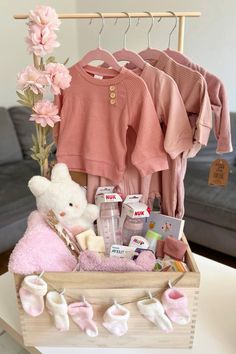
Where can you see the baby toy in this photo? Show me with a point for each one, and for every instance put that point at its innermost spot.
(66, 198)
(40, 248)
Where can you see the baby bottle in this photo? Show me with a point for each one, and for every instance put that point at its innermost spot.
(132, 227)
(109, 225)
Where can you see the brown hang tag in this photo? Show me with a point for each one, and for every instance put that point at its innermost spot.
(219, 173)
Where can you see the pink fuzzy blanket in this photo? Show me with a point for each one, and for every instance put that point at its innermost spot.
(40, 249)
(93, 262)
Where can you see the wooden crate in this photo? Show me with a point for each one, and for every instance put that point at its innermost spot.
(100, 289)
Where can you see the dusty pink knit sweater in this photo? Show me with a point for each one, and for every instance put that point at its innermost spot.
(95, 115)
(218, 99)
(193, 89)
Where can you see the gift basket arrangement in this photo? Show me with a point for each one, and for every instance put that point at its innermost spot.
(107, 264)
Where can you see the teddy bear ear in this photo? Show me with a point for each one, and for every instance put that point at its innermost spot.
(60, 173)
(38, 185)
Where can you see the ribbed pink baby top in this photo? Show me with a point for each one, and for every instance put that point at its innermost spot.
(219, 102)
(96, 111)
(193, 90)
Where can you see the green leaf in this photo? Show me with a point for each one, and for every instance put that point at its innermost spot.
(34, 149)
(40, 156)
(66, 61)
(38, 97)
(31, 97)
(34, 157)
(34, 139)
(48, 148)
(24, 103)
(27, 93)
(20, 95)
(51, 59)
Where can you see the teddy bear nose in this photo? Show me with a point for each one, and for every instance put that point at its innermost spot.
(62, 213)
(77, 206)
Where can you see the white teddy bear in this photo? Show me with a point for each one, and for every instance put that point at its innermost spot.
(65, 198)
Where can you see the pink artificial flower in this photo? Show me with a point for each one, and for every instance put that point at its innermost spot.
(59, 77)
(33, 79)
(41, 40)
(44, 16)
(46, 113)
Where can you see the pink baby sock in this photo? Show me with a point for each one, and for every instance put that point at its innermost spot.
(57, 307)
(116, 319)
(82, 314)
(175, 304)
(31, 292)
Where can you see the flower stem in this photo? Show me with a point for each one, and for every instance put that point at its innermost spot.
(40, 131)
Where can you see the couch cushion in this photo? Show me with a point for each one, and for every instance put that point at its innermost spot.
(208, 153)
(10, 150)
(215, 205)
(15, 197)
(24, 128)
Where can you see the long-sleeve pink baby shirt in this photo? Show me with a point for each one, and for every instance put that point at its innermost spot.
(193, 90)
(219, 102)
(96, 112)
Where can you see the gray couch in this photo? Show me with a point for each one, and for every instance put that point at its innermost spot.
(16, 168)
(210, 212)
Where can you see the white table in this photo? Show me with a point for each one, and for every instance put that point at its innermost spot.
(216, 323)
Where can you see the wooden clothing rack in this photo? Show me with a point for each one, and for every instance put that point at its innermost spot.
(81, 177)
(181, 16)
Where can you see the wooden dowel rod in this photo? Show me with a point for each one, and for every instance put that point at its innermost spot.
(116, 15)
(181, 34)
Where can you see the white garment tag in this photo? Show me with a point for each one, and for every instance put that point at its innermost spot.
(98, 77)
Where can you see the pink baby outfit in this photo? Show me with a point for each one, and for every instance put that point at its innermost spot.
(193, 89)
(96, 112)
(177, 139)
(219, 102)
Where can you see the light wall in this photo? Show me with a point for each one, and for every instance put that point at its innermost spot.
(209, 40)
(13, 53)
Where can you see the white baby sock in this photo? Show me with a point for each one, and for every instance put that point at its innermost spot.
(57, 307)
(32, 290)
(153, 310)
(116, 319)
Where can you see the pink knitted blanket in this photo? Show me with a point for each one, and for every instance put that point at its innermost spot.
(40, 249)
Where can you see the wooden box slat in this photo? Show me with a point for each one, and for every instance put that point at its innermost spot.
(101, 289)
